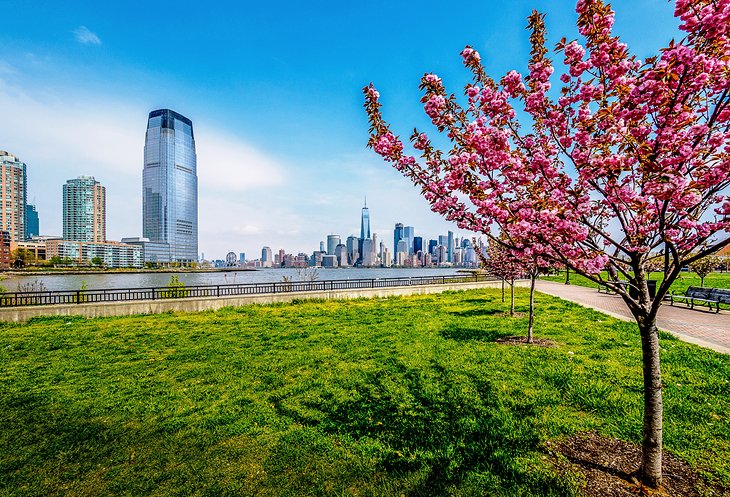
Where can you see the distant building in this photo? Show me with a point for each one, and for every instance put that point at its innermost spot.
(14, 186)
(397, 236)
(32, 224)
(341, 254)
(242, 257)
(112, 254)
(409, 233)
(170, 185)
(353, 249)
(157, 253)
(450, 246)
(316, 259)
(417, 244)
(84, 210)
(442, 254)
(432, 244)
(364, 235)
(332, 242)
(385, 257)
(266, 259)
(368, 258)
(365, 222)
(5, 259)
(321, 246)
(329, 261)
(37, 248)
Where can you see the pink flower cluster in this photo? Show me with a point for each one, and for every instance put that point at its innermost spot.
(632, 158)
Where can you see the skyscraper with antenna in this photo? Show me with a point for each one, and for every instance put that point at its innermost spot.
(365, 222)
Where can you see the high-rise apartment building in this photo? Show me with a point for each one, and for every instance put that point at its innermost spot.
(14, 190)
(170, 185)
(84, 210)
(32, 225)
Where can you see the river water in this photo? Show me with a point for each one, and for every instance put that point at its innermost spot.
(107, 281)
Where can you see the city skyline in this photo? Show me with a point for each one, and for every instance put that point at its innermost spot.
(275, 100)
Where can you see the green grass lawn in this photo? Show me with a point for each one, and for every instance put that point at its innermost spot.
(685, 280)
(401, 396)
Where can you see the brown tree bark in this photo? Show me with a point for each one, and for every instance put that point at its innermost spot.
(533, 277)
(651, 458)
(512, 298)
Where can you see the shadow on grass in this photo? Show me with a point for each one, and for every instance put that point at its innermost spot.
(470, 313)
(446, 427)
(39, 437)
(464, 334)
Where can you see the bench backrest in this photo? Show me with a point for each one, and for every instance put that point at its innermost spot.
(721, 295)
(699, 292)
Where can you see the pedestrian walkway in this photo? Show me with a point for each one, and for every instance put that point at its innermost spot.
(701, 327)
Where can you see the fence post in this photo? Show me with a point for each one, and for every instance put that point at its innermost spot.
(78, 296)
(218, 291)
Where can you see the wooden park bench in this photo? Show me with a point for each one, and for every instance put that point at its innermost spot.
(711, 297)
(608, 291)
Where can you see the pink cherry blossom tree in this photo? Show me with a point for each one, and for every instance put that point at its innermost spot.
(626, 160)
(500, 262)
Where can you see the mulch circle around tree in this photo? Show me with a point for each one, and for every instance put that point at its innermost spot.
(517, 340)
(610, 468)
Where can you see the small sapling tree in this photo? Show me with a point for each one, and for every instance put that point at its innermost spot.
(704, 266)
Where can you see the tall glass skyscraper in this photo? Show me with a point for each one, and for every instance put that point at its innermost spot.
(170, 185)
(84, 210)
(32, 225)
(409, 233)
(365, 222)
(397, 236)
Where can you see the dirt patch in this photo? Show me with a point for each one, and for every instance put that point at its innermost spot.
(507, 315)
(517, 340)
(610, 468)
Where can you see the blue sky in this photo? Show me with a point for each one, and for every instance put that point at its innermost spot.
(273, 89)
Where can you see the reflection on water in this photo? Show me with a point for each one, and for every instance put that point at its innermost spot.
(142, 280)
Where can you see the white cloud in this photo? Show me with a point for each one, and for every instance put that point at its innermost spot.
(61, 136)
(227, 164)
(86, 36)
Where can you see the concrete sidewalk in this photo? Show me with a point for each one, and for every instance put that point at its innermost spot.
(701, 327)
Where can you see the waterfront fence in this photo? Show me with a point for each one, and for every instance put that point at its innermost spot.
(87, 296)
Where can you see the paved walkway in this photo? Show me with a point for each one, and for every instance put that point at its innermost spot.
(701, 327)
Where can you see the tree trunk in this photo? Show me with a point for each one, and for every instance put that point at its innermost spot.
(533, 277)
(702, 281)
(567, 275)
(512, 298)
(503, 290)
(651, 458)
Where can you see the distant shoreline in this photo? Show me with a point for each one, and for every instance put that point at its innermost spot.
(62, 272)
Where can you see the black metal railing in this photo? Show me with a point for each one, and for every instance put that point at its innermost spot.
(54, 297)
